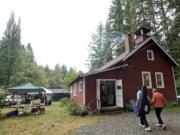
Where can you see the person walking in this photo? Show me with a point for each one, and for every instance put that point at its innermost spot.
(143, 105)
(159, 102)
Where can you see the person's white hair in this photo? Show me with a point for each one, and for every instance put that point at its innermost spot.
(154, 89)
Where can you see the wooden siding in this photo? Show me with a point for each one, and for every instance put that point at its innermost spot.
(79, 95)
(131, 76)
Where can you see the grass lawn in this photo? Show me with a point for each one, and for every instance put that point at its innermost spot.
(56, 121)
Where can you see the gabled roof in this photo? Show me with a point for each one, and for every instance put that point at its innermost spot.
(112, 62)
(125, 56)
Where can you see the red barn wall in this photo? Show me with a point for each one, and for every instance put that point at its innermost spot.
(79, 95)
(132, 78)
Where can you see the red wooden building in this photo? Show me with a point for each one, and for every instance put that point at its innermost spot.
(144, 62)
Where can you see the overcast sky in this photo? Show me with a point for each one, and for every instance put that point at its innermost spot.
(58, 30)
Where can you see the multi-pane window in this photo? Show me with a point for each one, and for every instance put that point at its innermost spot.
(146, 79)
(159, 80)
(80, 86)
(150, 55)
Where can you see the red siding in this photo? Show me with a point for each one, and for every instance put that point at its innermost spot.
(79, 95)
(91, 84)
(131, 76)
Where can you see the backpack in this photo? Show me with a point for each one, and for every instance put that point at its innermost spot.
(134, 108)
(147, 106)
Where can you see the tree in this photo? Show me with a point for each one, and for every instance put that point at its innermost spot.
(107, 44)
(96, 49)
(2, 96)
(30, 52)
(10, 45)
(71, 75)
(28, 71)
(116, 16)
(173, 39)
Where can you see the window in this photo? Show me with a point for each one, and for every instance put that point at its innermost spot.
(70, 89)
(146, 79)
(150, 55)
(75, 89)
(80, 86)
(159, 80)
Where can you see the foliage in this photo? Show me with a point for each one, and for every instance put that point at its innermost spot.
(173, 39)
(100, 50)
(73, 108)
(18, 65)
(96, 49)
(60, 76)
(2, 96)
(162, 16)
(56, 121)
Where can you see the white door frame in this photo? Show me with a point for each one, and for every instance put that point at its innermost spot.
(119, 93)
(98, 100)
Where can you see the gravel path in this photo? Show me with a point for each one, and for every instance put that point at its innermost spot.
(128, 124)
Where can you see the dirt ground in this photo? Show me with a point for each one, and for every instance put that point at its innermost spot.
(128, 124)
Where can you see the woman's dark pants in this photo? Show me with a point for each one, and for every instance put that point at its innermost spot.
(158, 114)
(143, 120)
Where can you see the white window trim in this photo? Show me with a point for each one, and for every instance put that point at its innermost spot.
(159, 73)
(149, 73)
(71, 89)
(150, 51)
(80, 90)
(75, 89)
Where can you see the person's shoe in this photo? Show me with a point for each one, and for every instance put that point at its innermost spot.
(164, 127)
(141, 125)
(159, 125)
(148, 129)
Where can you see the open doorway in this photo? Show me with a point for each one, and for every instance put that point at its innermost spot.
(107, 93)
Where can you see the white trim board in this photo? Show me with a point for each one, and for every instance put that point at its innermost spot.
(174, 82)
(150, 87)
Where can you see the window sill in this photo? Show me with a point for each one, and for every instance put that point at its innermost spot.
(160, 87)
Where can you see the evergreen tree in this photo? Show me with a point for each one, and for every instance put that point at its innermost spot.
(17, 63)
(116, 20)
(107, 44)
(116, 16)
(71, 75)
(96, 49)
(30, 51)
(173, 39)
(10, 45)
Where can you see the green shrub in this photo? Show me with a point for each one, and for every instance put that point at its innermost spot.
(2, 96)
(84, 111)
(128, 108)
(171, 104)
(64, 101)
(73, 108)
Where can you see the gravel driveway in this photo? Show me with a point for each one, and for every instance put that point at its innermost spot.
(128, 124)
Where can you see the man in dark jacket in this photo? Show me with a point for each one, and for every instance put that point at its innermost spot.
(143, 105)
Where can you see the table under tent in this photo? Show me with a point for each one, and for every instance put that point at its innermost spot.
(28, 98)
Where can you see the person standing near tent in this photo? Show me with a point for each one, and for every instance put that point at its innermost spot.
(143, 105)
(159, 102)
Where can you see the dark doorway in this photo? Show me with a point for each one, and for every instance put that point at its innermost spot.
(107, 93)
